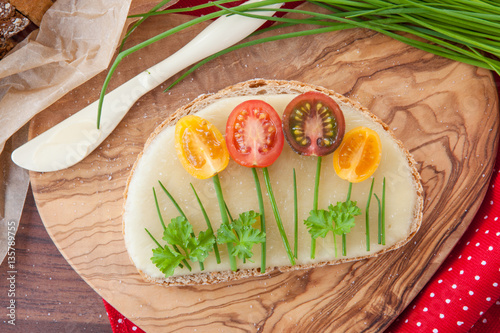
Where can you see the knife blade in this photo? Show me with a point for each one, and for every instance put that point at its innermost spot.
(14, 186)
(75, 138)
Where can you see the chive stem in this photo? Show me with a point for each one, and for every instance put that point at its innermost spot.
(152, 237)
(367, 216)
(138, 23)
(223, 214)
(315, 202)
(383, 212)
(179, 209)
(344, 236)
(209, 224)
(262, 220)
(158, 210)
(202, 266)
(344, 245)
(349, 192)
(277, 216)
(335, 244)
(295, 217)
(228, 212)
(379, 231)
(164, 227)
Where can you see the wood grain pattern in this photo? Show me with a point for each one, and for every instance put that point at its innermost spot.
(49, 295)
(445, 113)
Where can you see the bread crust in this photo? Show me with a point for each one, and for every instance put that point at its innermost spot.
(258, 87)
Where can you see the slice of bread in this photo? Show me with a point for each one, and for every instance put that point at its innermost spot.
(158, 162)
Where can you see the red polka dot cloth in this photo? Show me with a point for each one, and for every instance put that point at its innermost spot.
(463, 295)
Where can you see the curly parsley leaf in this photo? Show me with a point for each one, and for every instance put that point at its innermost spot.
(343, 215)
(179, 232)
(339, 219)
(166, 259)
(242, 234)
(201, 246)
(319, 223)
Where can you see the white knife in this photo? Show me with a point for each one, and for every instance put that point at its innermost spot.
(75, 138)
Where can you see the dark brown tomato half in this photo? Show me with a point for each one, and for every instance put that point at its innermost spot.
(313, 124)
(253, 134)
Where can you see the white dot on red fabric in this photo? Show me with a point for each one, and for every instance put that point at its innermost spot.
(406, 320)
(469, 258)
(477, 244)
(471, 292)
(486, 217)
(481, 313)
(120, 320)
(460, 323)
(487, 232)
(454, 286)
(435, 330)
(466, 308)
(425, 310)
(440, 281)
(441, 315)
(419, 324)
(447, 301)
(485, 321)
(432, 295)
(483, 262)
(498, 233)
(450, 269)
(134, 328)
(490, 248)
(477, 277)
(461, 272)
(495, 284)
(488, 299)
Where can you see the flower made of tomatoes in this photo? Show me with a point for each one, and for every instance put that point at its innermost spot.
(313, 124)
(200, 147)
(253, 134)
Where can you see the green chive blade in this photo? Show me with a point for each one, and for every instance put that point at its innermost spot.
(367, 216)
(383, 212)
(209, 224)
(277, 216)
(262, 219)
(179, 209)
(223, 213)
(295, 217)
(379, 231)
(158, 210)
(344, 245)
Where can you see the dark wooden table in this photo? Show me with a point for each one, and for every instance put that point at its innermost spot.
(49, 295)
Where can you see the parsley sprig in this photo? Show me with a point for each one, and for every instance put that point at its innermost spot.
(338, 219)
(242, 235)
(179, 232)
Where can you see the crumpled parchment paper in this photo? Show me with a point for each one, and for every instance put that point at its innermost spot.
(76, 41)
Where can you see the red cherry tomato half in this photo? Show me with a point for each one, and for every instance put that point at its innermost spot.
(253, 134)
(313, 124)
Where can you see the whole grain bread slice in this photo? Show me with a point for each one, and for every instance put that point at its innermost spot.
(256, 88)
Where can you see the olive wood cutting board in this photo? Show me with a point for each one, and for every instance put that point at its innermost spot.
(446, 114)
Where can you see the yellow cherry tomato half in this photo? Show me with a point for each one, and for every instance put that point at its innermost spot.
(200, 147)
(358, 156)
